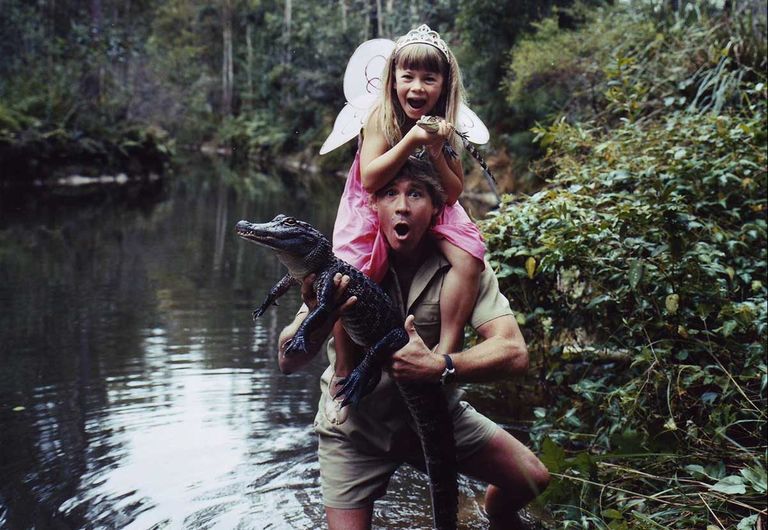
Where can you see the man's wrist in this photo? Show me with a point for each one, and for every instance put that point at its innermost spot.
(449, 371)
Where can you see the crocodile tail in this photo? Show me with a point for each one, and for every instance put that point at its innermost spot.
(434, 424)
(480, 160)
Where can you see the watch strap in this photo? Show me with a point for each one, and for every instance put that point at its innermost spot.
(449, 372)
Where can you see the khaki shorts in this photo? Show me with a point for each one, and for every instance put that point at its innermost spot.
(353, 475)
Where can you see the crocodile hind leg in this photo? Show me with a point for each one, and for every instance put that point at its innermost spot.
(366, 375)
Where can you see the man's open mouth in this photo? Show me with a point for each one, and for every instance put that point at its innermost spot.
(402, 229)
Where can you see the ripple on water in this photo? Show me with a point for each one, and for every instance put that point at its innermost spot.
(192, 447)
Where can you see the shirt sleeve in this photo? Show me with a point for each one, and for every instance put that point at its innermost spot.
(491, 303)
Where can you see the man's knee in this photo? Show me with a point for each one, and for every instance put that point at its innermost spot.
(539, 476)
(519, 489)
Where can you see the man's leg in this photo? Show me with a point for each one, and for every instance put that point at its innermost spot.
(356, 519)
(514, 474)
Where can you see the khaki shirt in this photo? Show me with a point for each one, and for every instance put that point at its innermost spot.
(382, 414)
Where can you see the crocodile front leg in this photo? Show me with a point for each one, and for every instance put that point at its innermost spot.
(316, 319)
(276, 292)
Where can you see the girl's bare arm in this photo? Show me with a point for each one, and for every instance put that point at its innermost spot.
(379, 164)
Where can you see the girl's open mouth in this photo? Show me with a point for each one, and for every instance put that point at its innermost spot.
(416, 103)
(402, 229)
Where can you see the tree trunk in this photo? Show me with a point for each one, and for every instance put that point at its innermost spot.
(343, 6)
(96, 79)
(287, 31)
(249, 64)
(227, 68)
(96, 16)
(373, 18)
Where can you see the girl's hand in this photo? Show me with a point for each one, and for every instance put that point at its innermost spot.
(418, 136)
(423, 136)
(435, 139)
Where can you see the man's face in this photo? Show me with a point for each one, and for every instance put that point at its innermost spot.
(405, 212)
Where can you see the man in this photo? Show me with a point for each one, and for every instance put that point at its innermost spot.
(361, 447)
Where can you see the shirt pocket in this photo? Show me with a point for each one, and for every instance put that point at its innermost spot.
(427, 320)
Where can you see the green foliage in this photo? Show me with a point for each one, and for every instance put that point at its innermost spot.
(255, 134)
(594, 72)
(639, 273)
(552, 68)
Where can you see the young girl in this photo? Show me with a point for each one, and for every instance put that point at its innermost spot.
(421, 78)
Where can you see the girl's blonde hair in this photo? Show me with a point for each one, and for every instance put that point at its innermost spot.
(388, 116)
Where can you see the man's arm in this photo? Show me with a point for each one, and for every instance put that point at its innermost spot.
(503, 353)
(317, 338)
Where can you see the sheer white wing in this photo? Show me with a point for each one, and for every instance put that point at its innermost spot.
(349, 122)
(472, 126)
(365, 68)
(362, 84)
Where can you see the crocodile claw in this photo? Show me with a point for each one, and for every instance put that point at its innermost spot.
(295, 346)
(358, 384)
(256, 313)
(449, 150)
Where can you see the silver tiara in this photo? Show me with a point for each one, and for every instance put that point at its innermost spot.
(423, 35)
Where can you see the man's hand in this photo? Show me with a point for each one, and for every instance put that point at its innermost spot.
(308, 295)
(340, 284)
(414, 361)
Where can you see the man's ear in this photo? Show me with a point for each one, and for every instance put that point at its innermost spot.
(373, 203)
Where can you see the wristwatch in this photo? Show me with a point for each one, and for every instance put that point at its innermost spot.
(449, 373)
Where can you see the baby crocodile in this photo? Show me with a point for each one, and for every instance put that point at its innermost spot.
(432, 124)
(373, 323)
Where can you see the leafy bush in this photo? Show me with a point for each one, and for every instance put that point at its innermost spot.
(639, 273)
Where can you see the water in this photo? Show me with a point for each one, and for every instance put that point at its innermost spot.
(135, 390)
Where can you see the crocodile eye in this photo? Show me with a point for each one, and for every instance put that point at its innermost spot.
(290, 221)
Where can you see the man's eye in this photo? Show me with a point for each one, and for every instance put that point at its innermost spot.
(416, 194)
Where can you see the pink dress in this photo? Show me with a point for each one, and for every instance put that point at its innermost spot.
(356, 236)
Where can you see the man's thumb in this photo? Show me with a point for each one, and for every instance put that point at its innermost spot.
(410, 326)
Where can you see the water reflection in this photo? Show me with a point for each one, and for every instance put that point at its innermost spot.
(137, 393)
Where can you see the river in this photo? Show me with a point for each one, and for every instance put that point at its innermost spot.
(136, 392)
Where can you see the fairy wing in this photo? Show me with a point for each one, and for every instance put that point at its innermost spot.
(349, 122)
(472, 126)
(362, 84)
(365, 67)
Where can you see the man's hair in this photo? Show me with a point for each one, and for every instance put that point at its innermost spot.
(423, 172)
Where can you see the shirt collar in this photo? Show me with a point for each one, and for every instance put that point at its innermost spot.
(431, 266)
